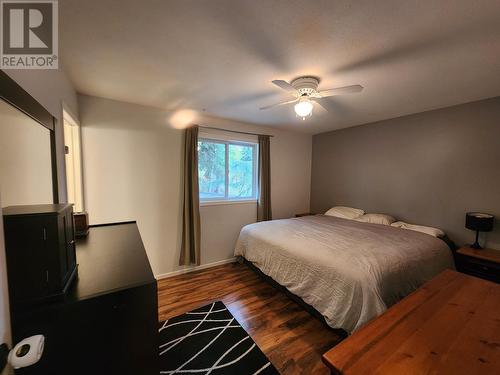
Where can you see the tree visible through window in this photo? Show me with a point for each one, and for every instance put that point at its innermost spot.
(226, 170)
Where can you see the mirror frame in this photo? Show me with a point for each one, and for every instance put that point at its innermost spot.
(16, 96)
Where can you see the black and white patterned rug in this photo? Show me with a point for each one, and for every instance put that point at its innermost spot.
(209, 340)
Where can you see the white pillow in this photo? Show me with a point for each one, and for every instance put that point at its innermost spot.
(419, 228)
(376, 219)
(344, 212)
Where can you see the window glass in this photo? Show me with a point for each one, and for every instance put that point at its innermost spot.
(226, 170)
(241, 173)
(211, 169)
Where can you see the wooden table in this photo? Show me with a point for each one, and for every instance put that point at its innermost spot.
(451, 325)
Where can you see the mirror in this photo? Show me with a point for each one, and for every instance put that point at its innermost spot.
(25, 159)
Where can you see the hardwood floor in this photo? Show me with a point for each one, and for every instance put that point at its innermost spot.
(291, 338)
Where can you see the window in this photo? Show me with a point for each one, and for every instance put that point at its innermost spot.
(227, 170)
(73, 161)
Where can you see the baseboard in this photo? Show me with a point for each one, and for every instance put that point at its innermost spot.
(194, 268)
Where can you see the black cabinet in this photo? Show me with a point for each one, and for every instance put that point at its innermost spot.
(107, 322)
(483, 263)
(40, 249)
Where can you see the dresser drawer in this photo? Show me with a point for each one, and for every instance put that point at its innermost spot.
(478, 267)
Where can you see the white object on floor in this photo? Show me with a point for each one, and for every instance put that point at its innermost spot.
(27, 352)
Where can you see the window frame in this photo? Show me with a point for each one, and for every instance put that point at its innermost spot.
(226, 199)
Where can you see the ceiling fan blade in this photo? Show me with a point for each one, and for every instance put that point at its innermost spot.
(320, 103)
(284, 85)
(341, 90)
(333, 106)
(278, 104)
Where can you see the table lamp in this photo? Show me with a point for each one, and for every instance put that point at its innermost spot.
(480, 222)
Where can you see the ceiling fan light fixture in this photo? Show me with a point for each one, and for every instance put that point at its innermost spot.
(305, 93)
(303, 108)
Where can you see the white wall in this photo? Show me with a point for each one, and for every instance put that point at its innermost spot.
(132, 171)
(50, 88)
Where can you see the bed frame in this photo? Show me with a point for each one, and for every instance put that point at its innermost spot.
(311, 310)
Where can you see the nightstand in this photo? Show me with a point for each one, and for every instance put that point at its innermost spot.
(483, 263)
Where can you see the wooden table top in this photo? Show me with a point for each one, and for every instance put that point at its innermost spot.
(451, 325)
(486, 254)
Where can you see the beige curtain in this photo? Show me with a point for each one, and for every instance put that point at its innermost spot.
(190, 248)
(264, 203)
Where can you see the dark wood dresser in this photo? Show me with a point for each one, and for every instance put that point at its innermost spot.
(40, 250)
(483, 263)
(108, 321)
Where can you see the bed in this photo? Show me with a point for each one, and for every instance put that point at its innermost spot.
(349, 271)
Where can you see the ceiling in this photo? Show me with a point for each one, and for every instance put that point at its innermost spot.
(220, 56)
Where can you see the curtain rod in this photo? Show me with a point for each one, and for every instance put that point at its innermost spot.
(233, 131)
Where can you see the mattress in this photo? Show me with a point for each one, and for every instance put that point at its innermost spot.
(349, 271)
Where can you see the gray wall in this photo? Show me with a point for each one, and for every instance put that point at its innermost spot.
(428, 168)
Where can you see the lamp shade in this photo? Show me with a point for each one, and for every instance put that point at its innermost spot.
(479, 221)
(303, 108)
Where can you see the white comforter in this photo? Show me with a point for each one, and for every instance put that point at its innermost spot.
(349, 271)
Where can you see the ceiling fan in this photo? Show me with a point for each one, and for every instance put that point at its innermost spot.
(305, 93)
